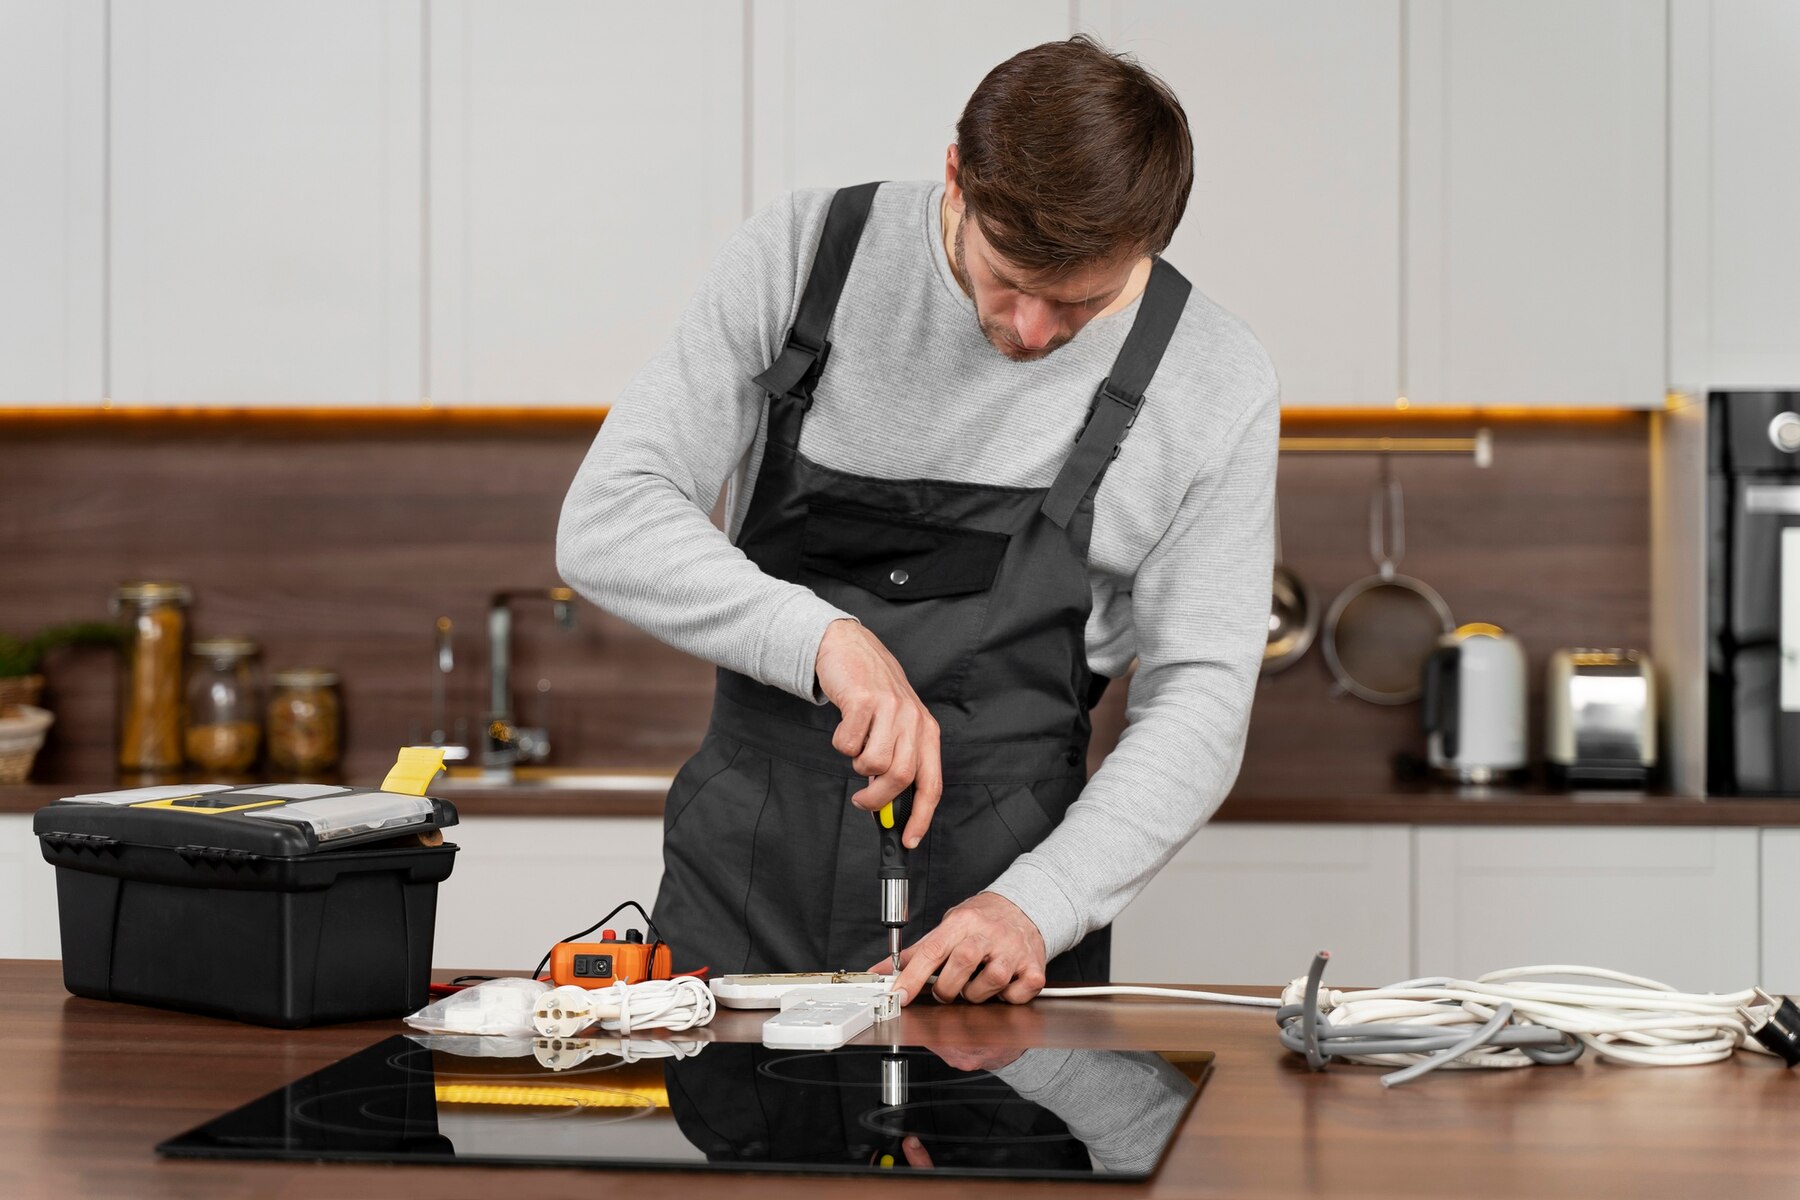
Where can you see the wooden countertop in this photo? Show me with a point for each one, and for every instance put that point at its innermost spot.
(1415, 804)
(92, 1087)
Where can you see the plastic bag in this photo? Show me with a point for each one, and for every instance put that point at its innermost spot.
(470, 1045)
(496, 1007)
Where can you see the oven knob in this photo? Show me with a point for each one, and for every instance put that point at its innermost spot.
(1784, 431)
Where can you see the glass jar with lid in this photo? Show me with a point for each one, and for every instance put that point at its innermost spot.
(305, 721)
(150, 678)
(224, 731)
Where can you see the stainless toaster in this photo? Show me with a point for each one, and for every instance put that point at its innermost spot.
(1600, 717)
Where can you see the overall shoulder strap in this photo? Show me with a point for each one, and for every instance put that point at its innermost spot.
(790, 379)
(1121, 394)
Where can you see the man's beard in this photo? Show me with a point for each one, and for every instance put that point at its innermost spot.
(995, 332)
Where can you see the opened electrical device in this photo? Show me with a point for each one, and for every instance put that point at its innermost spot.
(693, 1104)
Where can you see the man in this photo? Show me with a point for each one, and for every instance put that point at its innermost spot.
(984, 448)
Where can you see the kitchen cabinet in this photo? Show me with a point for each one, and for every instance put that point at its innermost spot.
(1734, 169)
(1781, 911)
(1254, 902)
(28, 926)
(1294, 221)
(1534, 207)
(586, 166)
(52, 123)
(845, 93)
(522, 884)
(1676, 905)
(1242, 902)
(265, 200)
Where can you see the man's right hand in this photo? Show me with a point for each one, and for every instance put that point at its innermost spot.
(887, 732)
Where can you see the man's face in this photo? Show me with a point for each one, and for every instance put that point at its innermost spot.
(1026, 315)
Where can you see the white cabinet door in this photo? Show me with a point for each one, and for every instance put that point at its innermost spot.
(847, 93)
(1534, 206)
(1294, 221)
(1676, 905)
(586, 165)
(1734, 172)
(1253, 903)
(265, 202)
(521, 884)
(28, 926)
(1781, 911)
(52, 128)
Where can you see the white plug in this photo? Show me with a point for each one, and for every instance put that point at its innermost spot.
(565, 1011)
(559, 1054)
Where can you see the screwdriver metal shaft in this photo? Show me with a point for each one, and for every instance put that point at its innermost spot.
(892, 821)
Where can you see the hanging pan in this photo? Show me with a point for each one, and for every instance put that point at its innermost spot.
(1381, 629)
(1293, 613)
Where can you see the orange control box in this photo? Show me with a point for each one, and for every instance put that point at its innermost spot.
(607, 961)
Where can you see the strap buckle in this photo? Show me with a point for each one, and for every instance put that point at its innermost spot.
(795, 372)
(1130, 403)
(810, 380)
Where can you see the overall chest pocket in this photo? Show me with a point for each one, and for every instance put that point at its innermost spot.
(921, 587)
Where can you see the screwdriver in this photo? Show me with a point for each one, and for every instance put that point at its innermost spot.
(892, 820)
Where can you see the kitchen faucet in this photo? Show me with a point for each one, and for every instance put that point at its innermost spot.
(443, 661)
(507, 743)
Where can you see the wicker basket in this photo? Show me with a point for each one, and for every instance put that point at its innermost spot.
(20, 689)
(21, 734)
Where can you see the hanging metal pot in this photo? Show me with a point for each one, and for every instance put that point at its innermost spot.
(1381, 629)
(1293, 613)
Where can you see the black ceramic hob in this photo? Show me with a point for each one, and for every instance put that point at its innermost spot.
(689, 1104)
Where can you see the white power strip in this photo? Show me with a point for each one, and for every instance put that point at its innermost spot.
(767, 990)
(824, 1019)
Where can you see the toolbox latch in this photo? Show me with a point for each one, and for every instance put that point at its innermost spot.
(96, 842)
(221, 855)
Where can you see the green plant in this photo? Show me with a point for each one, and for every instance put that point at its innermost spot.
(23, 657)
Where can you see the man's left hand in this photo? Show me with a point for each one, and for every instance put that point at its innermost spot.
(985, 947)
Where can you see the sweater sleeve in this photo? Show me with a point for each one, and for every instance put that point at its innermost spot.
(635, 537)
(1200, 606)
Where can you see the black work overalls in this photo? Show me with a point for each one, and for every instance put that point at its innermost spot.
(982, 594)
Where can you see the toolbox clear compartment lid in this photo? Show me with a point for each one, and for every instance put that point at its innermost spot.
(343, 816)
(142, 795)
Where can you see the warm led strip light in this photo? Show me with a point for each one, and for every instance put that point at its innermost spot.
(560, 1096)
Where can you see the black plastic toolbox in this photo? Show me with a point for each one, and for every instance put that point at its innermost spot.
(285, 905)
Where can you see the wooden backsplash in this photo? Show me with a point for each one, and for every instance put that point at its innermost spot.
(339, 543)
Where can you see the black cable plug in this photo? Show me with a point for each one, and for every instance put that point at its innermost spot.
(1779, 1031)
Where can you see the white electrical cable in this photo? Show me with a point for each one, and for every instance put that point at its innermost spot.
(672, 1004)
(1066, 993)
(1510, 1018)
(1515, 1018)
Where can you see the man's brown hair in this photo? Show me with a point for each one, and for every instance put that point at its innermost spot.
(1069, 154)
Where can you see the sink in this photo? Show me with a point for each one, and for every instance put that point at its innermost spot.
(574, 779)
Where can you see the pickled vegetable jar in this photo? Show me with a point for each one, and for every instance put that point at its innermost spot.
(224, 725)
(150, 711)
(305, 720)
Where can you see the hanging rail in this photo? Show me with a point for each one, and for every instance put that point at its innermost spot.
(1479, 447)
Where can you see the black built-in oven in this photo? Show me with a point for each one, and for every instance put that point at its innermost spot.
(1753, 593)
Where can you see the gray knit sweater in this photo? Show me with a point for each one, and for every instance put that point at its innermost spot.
(1181, 548)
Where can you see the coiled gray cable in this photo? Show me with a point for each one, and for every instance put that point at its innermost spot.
(1307, 1031)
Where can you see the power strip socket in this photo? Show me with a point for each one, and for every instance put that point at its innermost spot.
(816, 1025)
(883, 1005)
(825, 1018)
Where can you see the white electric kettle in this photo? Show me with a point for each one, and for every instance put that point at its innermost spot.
(1475, 705)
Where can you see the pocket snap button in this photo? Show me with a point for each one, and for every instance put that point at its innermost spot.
(898, 576)
(1073, 757)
